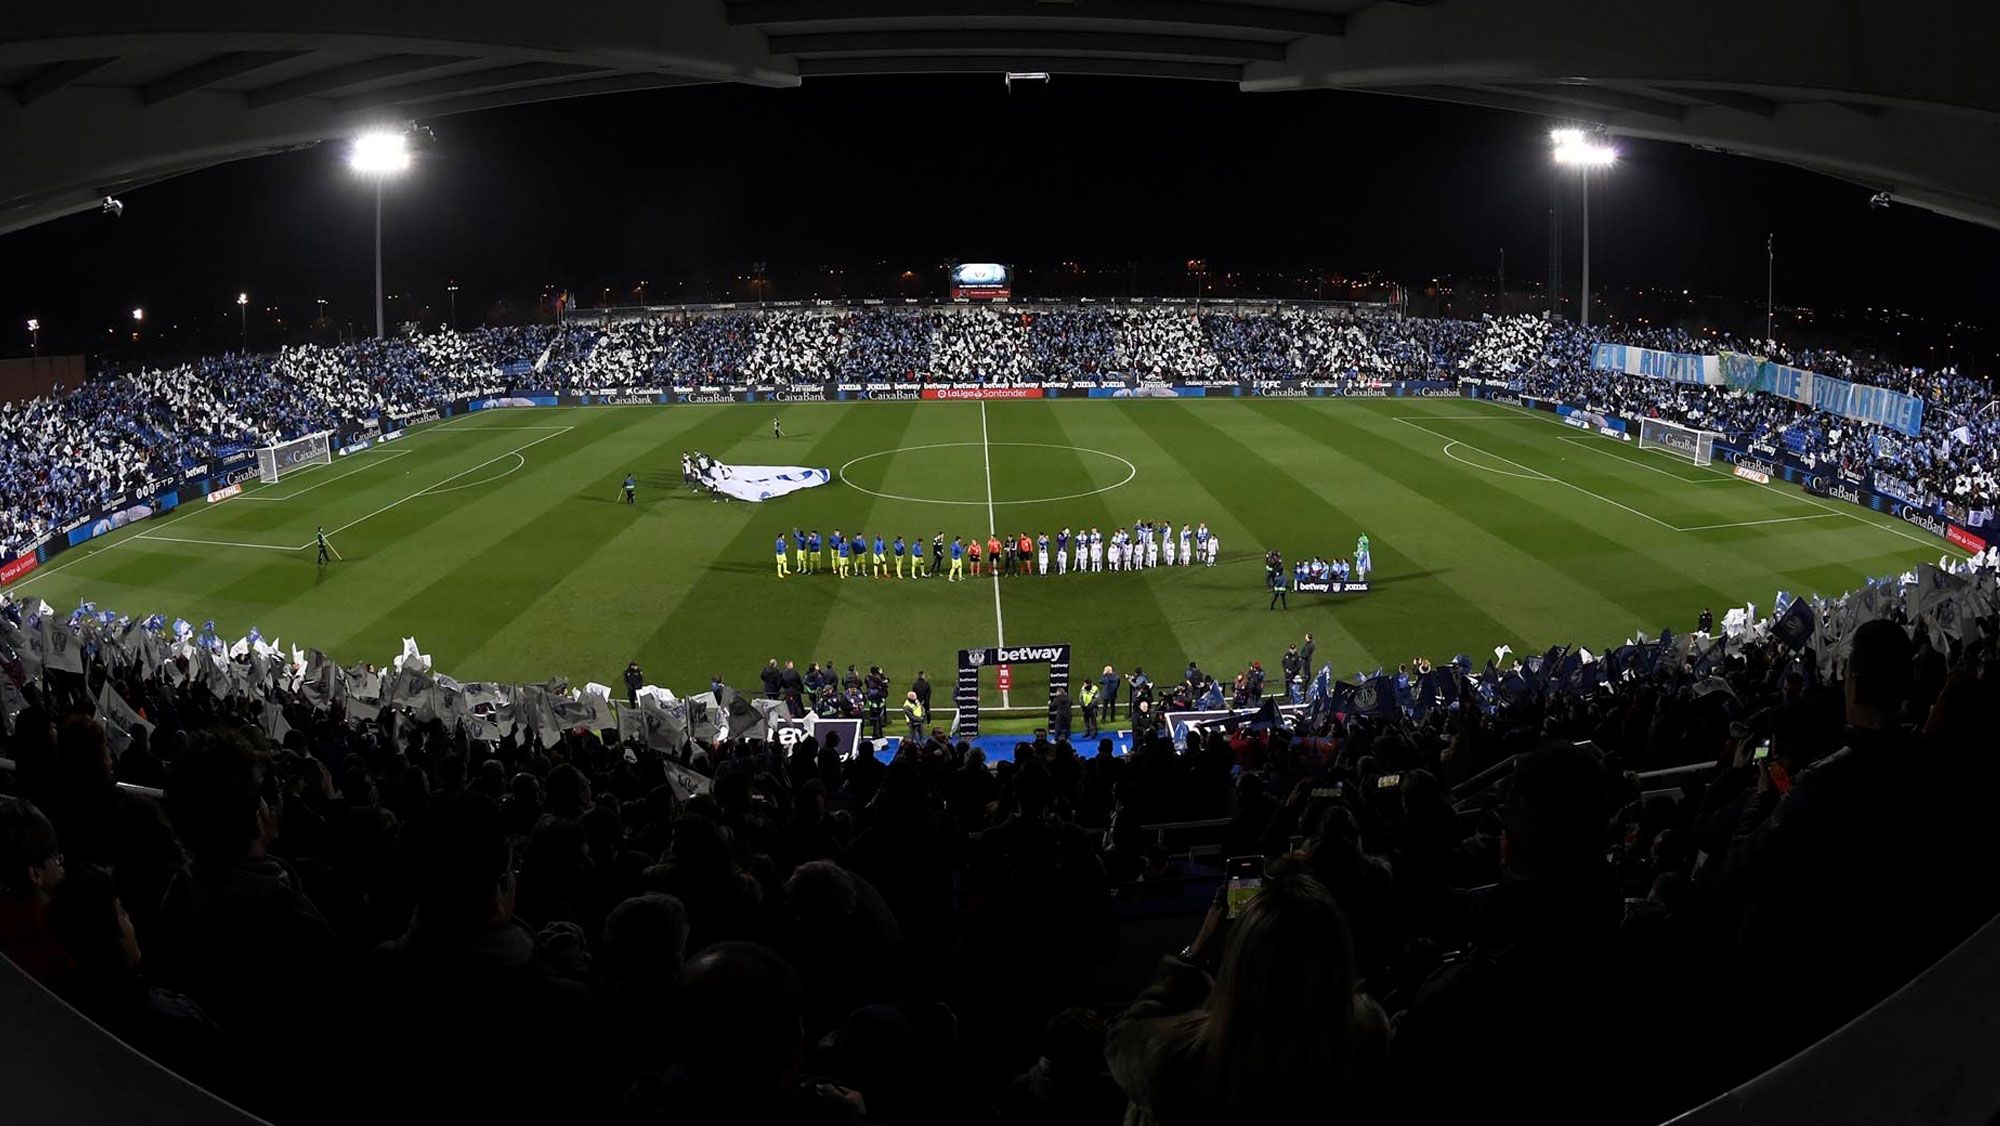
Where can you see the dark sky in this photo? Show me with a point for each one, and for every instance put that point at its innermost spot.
(701, 182)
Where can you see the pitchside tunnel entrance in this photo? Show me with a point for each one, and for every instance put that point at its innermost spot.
(1002, 659)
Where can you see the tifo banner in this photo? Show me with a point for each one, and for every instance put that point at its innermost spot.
(1879, 405)
(1675, 367)
(766, 482)
(1858, 401)
(511, 401)
(111, 521)
(982, 393)
(1586, 419)
(1148, 391)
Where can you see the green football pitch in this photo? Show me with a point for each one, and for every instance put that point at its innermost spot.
(498, 539)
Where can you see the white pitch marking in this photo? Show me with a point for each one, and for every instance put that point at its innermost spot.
(1131, 471)
(1555, 480)
(992, 525)
(1538, 476)
(1774, 520)
(212, 543)
(1611, 452)
(434, 486)
(259, 494)
(1928, 544)
(520, 463)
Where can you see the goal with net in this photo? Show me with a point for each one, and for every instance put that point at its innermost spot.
(1695, 445)
(274, 462)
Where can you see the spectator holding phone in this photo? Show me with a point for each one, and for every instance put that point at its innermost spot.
(1278, 1037)
(1867, 828)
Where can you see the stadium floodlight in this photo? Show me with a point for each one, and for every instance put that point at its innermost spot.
(1586, 152)
(35, 335)
(243, 314)
(379, 154)
(138, 315)
(34, 325)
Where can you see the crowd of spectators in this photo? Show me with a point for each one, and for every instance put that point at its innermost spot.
(517, 932)
(67, 455)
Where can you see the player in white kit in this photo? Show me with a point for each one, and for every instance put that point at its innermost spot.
(1042, 554)
(1187, 546)
(1153, 544)
(1167, 546)
(1096, 551)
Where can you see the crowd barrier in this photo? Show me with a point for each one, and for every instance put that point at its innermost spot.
(1768, 465)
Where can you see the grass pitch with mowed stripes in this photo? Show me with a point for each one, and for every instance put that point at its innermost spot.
(498, 540)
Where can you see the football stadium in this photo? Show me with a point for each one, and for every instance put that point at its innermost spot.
(994, 692)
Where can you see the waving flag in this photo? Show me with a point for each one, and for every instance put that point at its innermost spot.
(1795, 626)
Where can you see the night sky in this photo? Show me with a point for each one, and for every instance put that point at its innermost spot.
(863, 174)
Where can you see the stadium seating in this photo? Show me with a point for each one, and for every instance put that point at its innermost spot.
(1557, 891)
(65, 456)
(1582, 891)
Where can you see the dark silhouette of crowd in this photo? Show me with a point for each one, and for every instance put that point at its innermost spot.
(1482, 913)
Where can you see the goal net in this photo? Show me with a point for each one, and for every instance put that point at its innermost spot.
(1695, 445)
(274, 462)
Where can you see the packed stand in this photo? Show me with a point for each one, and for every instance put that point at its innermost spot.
(65, 456)
(528, 931)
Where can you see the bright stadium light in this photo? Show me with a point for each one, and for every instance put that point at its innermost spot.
(379, 154)
(1585, 151)
(1586, 154)
(138, 314)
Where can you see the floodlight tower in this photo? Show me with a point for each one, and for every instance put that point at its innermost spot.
(1586, 153)
(379, 155)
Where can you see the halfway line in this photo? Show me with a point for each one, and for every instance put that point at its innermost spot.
(992, 526)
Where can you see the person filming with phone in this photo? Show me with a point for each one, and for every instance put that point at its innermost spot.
(1884, 833)
(1279, 1036)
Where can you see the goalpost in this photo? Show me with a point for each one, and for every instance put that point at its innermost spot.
(274, 462)
(1695, 445)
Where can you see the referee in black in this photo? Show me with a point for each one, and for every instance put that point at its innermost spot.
(1277, 576)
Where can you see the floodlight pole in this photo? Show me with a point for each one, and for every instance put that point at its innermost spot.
(379, 259)
(1770, 268)
(1583, 309)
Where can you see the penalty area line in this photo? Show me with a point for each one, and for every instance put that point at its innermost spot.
(435, 485)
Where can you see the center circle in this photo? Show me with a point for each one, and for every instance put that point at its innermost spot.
(1131, 471)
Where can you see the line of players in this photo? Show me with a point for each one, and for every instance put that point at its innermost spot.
(1087, 551)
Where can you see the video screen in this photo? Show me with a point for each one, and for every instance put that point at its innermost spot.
(982, 281)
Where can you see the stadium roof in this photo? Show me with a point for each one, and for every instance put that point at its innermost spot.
(101, 96)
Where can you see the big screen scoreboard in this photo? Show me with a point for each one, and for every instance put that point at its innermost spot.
(982, 281)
